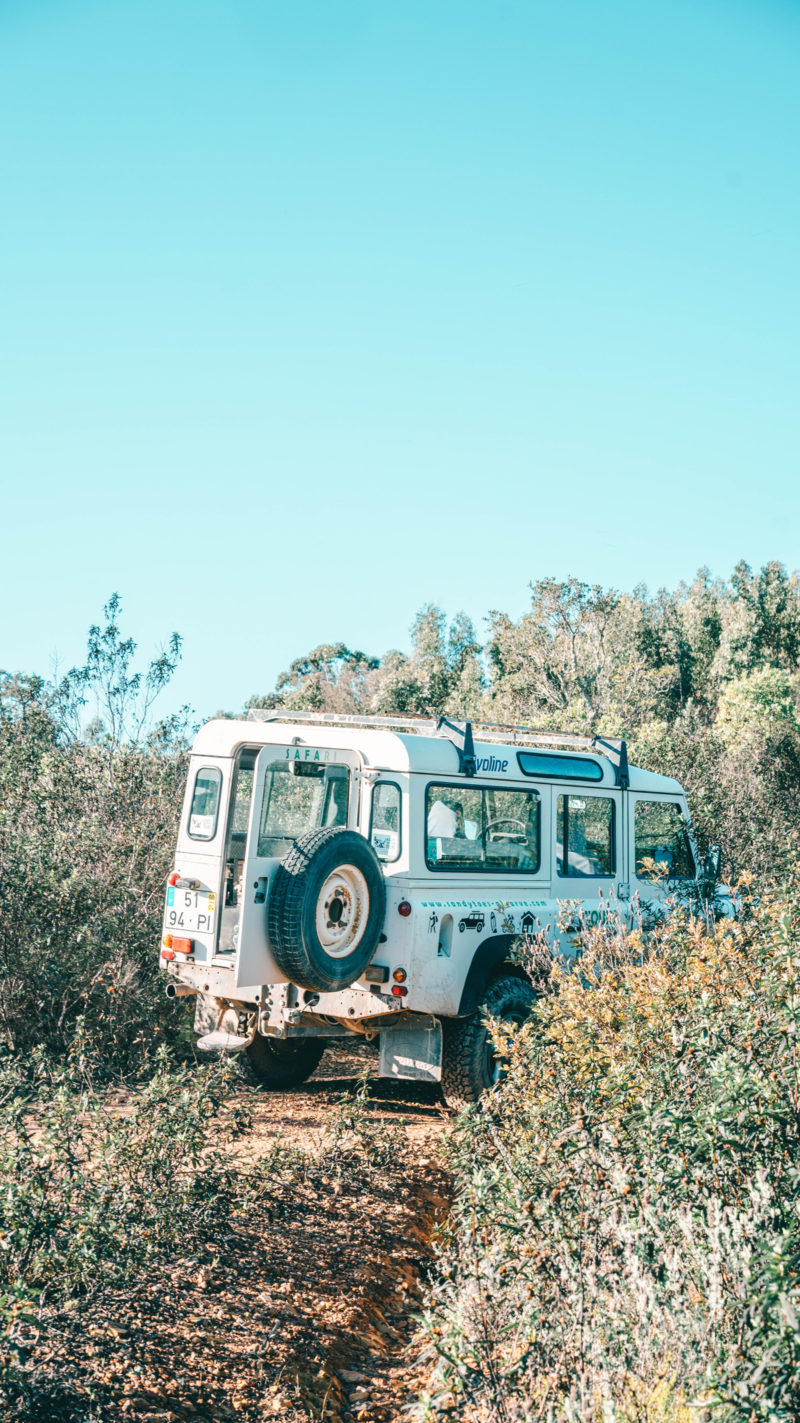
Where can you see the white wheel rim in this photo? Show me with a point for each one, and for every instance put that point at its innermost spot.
(342, 911)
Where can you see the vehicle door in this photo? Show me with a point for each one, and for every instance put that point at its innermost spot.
(191, 907)
(662, 863)
(588, 832)
(295, 789)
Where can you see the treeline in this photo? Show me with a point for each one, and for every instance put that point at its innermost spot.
(703, 681)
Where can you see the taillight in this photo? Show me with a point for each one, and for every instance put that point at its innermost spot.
(174, 877)
(399, 990)
(182, 946)
(404, 908)
(399, 975)
(167, 953)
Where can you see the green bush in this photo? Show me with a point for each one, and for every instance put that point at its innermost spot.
(88, 817)
(625, 1240)
(83, 861)
(91, 1191)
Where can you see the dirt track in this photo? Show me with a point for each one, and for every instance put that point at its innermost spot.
(306, 1309)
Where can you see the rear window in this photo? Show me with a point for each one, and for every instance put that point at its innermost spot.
(385, 826)
(204, 809)
(300, 797)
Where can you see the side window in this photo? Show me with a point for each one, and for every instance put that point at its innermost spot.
(661, 835)
(384, 830)
(205, 803)
(585, 836)
(482, 828)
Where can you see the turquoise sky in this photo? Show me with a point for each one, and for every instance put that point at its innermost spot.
(314, 311)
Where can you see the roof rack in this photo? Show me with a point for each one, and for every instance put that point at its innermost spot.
(460, 733)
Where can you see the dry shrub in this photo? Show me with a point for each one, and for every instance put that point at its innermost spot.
(625, 1242)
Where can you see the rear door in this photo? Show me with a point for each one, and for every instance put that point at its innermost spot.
(191, 910)
(295, 789)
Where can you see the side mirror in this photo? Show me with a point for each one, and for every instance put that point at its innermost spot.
(711, 864)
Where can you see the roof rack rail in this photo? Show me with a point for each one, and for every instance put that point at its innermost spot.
(461, 733)
(417, 722)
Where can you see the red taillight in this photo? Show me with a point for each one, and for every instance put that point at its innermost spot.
(174, 877)
(182, 946)
(167, 953)
(404, 908)
(398, 990)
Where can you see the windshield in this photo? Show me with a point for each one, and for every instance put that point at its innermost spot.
(297, 798)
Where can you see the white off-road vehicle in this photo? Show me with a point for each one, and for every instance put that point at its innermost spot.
(339, 876)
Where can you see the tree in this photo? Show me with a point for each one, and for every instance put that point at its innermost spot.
(329, 678)
(765, 627)
(551, 665)
(443, 673)
(123, 699)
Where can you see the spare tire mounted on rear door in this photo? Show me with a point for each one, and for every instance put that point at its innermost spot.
(326, 907)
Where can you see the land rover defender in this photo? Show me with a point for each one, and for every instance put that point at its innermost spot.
(342, 875)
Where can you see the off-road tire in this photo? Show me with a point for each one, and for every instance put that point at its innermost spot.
(466, 1046)
(280, 1062)
(293, 904)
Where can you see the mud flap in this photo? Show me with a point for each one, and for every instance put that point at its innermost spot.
(412, 1053)
(206, 1012)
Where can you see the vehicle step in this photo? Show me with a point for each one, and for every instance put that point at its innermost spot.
(220, 1041)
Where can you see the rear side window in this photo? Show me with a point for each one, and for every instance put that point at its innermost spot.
(661, 835)
(479, 828)
(585, 836)
(384, 831)
(205, 803)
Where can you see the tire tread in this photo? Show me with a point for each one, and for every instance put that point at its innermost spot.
(279, 1071)
(464, 1040)
(285, 908)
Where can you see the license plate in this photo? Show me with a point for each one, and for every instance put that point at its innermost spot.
(190, 909)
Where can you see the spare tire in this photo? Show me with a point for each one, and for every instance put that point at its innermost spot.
(327, 902)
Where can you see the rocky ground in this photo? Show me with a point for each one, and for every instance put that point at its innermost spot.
(306, 1308)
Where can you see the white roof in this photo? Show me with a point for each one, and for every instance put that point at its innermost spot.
(387, 750)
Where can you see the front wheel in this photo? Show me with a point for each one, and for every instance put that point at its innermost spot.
(470, 1062)
(283, 1062)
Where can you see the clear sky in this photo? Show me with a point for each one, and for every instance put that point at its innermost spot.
(312, 311)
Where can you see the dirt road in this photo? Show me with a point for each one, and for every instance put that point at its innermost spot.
(305, 1309)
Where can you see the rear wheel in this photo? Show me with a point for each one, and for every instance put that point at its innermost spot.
(283, 1062)
(470, 1062)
